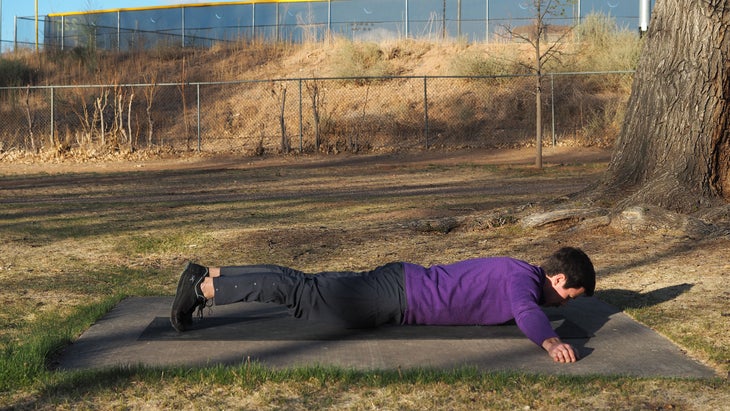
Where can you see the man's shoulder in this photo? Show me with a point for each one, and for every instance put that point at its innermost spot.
(498, 261)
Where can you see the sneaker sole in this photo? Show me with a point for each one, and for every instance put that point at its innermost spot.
(178, 326)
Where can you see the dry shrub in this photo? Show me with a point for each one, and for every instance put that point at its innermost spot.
(492, 61)
(360, 59)
(403, 48)
(15, 72)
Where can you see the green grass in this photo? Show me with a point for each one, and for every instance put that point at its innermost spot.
(68, 262)
(23, 364)
(161, 242)
(26, 362)
(318, 387)
(684, 333)
(24, 367)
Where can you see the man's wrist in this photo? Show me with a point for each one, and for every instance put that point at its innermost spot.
(550, 342)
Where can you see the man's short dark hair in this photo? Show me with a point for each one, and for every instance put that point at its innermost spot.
(576, 266)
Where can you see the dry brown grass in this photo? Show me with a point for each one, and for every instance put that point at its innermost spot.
(74, 234)
(365, 116)
(315, 393)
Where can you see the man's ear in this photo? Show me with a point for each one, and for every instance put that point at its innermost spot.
(557, 278)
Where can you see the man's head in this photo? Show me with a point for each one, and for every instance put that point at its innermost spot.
(570, 273)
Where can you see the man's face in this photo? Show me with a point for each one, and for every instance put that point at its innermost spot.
(556, 294)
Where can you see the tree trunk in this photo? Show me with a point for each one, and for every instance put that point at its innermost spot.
(539, 28)
(674, 148)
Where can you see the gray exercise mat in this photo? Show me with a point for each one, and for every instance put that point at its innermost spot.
(266, 322)
(137, 331)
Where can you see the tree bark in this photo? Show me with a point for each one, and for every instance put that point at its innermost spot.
(539, 29)
(674, 147)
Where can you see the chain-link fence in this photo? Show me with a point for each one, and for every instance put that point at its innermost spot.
(202, 25)
(309, 115)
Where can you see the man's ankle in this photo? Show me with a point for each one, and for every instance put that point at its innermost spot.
(207, 289)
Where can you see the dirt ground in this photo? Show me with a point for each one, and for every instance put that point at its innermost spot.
(192, 160)
(671, 280)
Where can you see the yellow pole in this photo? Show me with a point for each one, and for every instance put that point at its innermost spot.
(36, 25)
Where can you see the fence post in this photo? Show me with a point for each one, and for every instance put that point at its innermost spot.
(552, 104)
(406, 19)
(119, 28)
(301, 121)
(182, 24)
(486, 25)
(425, 109)
(197, 90)
(53, 111)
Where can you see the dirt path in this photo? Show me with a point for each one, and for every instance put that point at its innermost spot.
(551, 156)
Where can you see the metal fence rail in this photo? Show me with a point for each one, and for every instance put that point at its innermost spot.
(310, 114)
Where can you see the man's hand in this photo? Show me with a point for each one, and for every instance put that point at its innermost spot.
(560, 351)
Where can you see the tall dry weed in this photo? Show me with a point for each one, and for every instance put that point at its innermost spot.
(360, 59)
(603, 46)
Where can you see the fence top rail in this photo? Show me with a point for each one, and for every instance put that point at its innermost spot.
(281, 80)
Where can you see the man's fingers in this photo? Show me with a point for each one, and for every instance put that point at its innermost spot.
(572, 354)
(565, 353)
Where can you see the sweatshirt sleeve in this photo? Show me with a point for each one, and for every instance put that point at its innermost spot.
(535, 325)
(529, 317)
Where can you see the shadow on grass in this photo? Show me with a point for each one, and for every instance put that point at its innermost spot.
(627, 299)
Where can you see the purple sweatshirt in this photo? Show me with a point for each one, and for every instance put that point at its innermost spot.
(482, 291)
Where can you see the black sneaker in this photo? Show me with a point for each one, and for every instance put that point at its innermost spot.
(189, 296)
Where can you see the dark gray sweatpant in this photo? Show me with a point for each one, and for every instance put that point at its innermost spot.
(351, 299)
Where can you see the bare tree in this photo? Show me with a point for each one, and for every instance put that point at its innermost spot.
(546, 48)
(150, 91)
(29, 118)
(101, 103)
(121, 132)
(280, 97)
(314, 90)
(674, 147)
(88, 123)
(182, 86)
